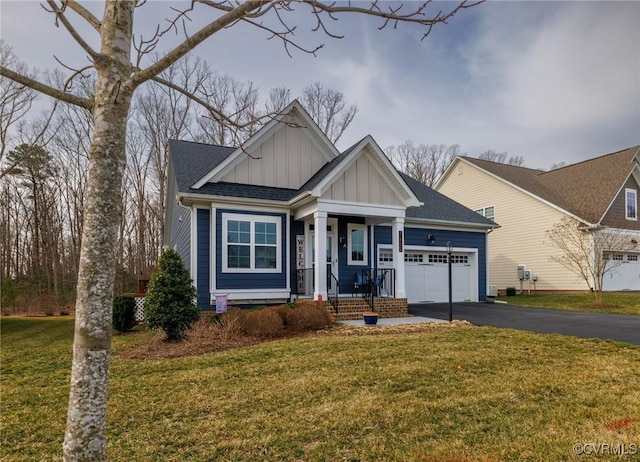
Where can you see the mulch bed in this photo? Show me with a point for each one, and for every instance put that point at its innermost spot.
(157, 348)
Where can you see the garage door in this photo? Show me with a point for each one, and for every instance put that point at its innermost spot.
(624, 273)
(427, 277)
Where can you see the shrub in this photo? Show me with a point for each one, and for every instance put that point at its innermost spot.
(305, 315)
(511, 291)
(169, 304)
(263, 322)
(124, 316)
(230, 325)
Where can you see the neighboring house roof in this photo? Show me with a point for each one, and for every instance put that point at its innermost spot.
(585, 189)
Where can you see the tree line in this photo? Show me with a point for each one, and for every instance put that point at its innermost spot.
(45, 160)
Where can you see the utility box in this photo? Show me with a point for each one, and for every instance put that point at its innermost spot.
(492, 293)
(521, 271)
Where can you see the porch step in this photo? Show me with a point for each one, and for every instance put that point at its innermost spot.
(353, 308)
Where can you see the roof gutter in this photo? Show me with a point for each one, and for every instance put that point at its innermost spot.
(462, 224)
(187, 199)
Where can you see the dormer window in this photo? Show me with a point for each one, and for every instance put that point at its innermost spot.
(631, 204)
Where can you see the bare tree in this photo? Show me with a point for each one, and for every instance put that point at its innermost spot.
(15, 101)
(118, 75)
(424, 162)
(587, 251)
(502, 158)
(328, 109)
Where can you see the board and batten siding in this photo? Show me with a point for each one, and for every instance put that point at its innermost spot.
(521, 238)
(362, 182)
(285, 160)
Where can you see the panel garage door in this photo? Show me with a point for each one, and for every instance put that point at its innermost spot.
(625, 275)
(427, 279)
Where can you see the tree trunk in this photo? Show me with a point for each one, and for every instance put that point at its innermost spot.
(85, 436)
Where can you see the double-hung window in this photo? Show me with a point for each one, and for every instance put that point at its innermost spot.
(631, 204)
(487, 212)
(251, 243)
(357, 244)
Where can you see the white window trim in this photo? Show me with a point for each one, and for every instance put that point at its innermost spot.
(626, 203)
(226, 217)
(385, 248)
(354, 227)
(483, 211)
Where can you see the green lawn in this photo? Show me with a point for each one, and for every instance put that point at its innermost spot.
(449, 394)
(613, 302)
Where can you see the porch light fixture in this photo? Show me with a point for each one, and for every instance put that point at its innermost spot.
(431, 239)
(449, 248)
(634, 241)
(343, 242)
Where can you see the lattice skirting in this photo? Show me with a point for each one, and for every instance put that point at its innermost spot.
(139, 311)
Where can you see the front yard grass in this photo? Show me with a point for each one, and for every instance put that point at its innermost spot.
(446, 394)
(613, 302)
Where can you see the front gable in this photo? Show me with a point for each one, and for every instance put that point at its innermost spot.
(285, 153)
(286, 159)
(615, 216)
(362, 181)
(366, 176)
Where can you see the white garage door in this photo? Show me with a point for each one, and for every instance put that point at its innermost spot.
(624, 273)
(427, 277)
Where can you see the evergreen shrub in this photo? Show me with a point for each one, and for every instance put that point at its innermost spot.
(170, 301)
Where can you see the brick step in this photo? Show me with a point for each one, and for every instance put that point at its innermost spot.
(349, 315)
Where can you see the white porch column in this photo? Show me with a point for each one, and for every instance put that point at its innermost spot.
(397, 234)
(320, 257)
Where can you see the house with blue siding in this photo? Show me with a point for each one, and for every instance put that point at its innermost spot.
(253, 222)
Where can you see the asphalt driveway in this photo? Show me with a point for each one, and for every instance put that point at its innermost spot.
(621, 327)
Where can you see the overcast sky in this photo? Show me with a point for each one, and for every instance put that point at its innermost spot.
(550, 81)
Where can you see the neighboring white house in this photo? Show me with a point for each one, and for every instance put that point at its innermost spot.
(602, 193)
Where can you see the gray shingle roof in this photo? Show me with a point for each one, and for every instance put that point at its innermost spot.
(191, 161)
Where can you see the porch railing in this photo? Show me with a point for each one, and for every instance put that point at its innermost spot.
(333, 291)
(304, 285)
(375, 282)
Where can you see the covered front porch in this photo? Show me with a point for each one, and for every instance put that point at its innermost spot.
(354, 275)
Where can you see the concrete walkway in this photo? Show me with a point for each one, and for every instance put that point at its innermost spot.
(395, 321)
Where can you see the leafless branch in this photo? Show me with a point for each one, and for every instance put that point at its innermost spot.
(46, 89)
(84, 13)
(59, 12)
(191, 42)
